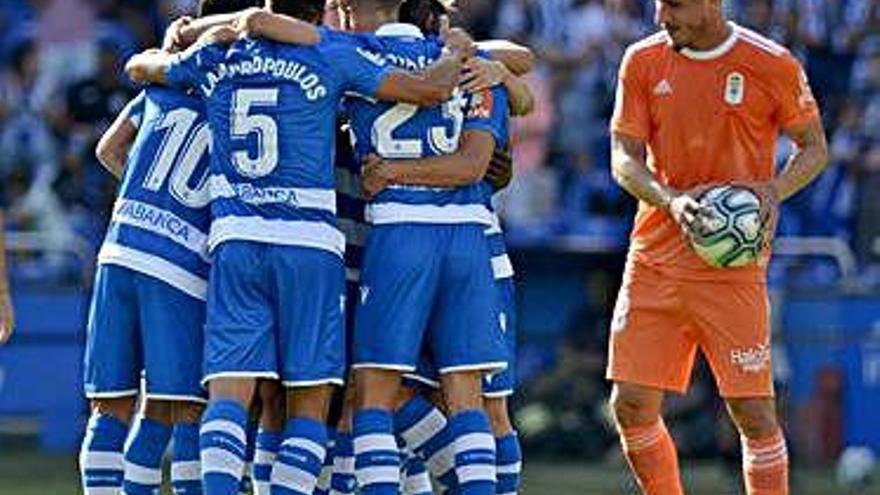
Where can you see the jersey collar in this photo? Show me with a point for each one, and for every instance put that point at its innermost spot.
(400, 29)
(716, 52)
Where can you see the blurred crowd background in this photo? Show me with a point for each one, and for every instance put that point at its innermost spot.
(567, 222)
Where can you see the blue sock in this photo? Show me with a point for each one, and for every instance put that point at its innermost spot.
(264, 456)
(247, 485)
(508, 464)
(474, 452)
(416, 480)
(143, 457)
(424, 430)
(323, 486)
(101, 461)
(300, 457)
(222, 442)
(342, 480)
(377, 458)
(186, 470)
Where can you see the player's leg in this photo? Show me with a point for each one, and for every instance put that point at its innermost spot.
(272, 417)
(422, 425)
(146, 446)
(650, 351)
(186, 470)
(342, 479)
(239, 349)
(308, 287)
(398, 285)
(735, 338)
(496, 390)
(111, 377)
(172, 340)
(468, 344)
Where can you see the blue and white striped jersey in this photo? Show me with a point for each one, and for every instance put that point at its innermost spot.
(160, 220)
(402, 131)
(272, 109)
(350, 204)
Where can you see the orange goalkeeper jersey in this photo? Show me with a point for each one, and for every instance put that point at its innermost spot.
(706, 117)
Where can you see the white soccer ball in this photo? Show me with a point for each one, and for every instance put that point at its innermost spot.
(732, 234)
(855, 466)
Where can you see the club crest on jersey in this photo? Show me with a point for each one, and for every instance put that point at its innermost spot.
(481, 105)
(735, 89)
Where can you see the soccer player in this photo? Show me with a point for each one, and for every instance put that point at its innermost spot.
(276, 282)
(701, 103)
(148, 309)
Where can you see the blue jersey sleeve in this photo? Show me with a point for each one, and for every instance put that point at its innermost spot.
(488, 111)
(189, 69)
(134, 110)
(360, 69)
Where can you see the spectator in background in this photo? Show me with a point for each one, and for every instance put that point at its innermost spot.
(65, 36)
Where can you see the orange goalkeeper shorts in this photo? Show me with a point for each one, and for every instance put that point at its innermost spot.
(659, 324)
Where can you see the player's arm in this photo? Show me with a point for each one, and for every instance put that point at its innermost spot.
(432, 87)
(185, 31)
(151, 66)
(466, 166)
(259, 23)
(7, 312)
(112, 148)
(807, 162)
(519, 59)
(481, 74)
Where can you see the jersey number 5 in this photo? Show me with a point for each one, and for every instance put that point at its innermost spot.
(246, 122)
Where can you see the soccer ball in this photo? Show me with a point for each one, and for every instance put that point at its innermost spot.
(732, 233)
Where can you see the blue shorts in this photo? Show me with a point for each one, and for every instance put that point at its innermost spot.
(431, 285)
(501, 384)
(139, 324)
(275, 312)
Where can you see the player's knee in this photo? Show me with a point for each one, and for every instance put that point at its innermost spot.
(188, 412)
(499, 417)
(754, 418)
(635, 406)
(121, 408)
(377, 388)
(240, 390)
(161, 411)
(462, 391)
(309, 402)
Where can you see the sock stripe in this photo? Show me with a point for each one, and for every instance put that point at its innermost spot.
(264, 456)
(293, 478)
(305, 444)
(378, 475)
(345, 464)
(103, 490)
(475, 441)
(186, 470)
(226, 428)
(417, 435)
(97, 460)
(374, 442)
(475, 472)
(514, 468)
(103, 477)
(142, 475)
(220, 461)
(443, 460)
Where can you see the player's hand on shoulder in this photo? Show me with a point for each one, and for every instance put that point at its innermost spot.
(219, 35)
(481, 74)
(173, 41)
(375, 175)
(457, 39)
(250, 21)
(7, 318)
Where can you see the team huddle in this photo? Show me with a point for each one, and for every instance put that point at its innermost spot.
(306, 285)
(258, 258)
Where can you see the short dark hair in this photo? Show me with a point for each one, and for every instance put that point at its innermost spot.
(425, 13)
(308, 10)
(212, 7)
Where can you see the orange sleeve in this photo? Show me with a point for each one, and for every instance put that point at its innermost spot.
(795, 102)
(631, 113)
